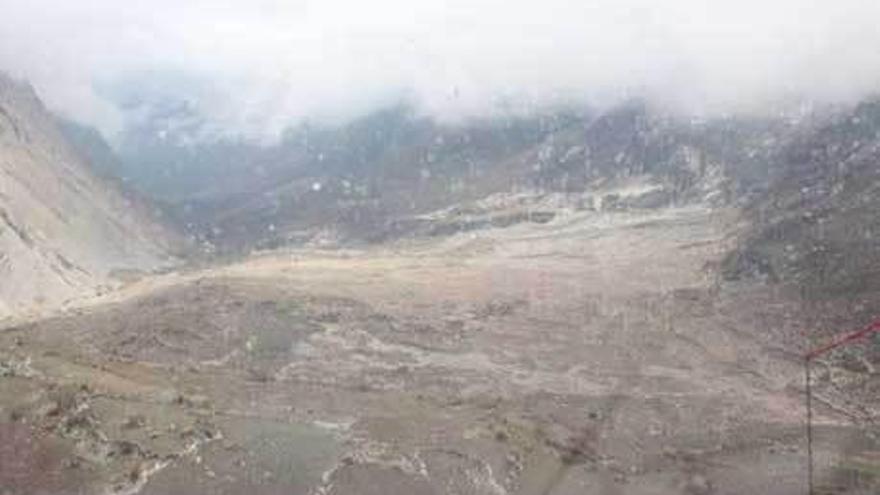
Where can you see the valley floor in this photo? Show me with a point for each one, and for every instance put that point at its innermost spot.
(597, 353)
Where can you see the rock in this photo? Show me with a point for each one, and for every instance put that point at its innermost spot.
(698, 485)
(198, 401)
(134, 421)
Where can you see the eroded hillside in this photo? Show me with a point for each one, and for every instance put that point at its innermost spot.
(63, 231)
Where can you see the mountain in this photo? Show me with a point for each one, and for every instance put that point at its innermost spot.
(91, 146)
(374, 177)
(805, 183)
(237, 195)
(523, 305)
(814, 233)
(817, 224)
(63, 230)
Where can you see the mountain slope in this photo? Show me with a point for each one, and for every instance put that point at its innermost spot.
(817, 225)
(63, 231)
(367, 180)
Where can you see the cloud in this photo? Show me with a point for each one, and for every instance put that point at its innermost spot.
(262, 65)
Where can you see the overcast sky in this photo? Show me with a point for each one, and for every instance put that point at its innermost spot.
(255, 66)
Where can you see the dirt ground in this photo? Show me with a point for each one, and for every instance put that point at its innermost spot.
(597, 353)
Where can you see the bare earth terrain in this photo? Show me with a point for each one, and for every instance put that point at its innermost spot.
(595, 353)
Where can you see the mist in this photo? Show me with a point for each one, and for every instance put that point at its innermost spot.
(253, 68)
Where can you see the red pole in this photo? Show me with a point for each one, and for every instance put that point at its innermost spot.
(810, 486)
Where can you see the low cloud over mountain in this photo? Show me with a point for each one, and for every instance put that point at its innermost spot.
(254, 68)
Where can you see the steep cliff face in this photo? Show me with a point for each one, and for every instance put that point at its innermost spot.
(817, 225)
(63, 231)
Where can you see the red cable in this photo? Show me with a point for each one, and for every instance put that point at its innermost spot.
(844, 339)
(873, 327)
